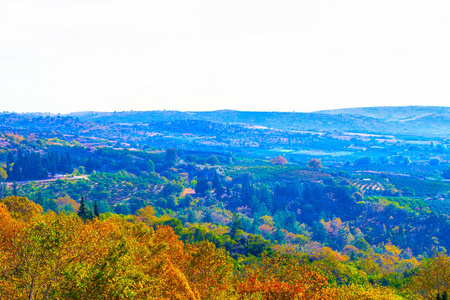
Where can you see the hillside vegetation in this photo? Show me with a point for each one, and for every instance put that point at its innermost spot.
(205, 209)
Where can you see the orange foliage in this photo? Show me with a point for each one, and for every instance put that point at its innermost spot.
(265, 229)
(357, 292)
(279, 160)
(21, 207)
(314, 164)
(280, 277)
(61, 257)
(66, 200)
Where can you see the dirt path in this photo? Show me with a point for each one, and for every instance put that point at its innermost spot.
(56, 177)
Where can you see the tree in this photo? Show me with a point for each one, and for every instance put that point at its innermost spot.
(217, 185)
(281, 277)
(15, 188)
(434, 161)
(172, 188)
(122, 209)
(364, 161)
(235, 225)
(96, 213)
(402, 160)
(319, 232)
(151, 166)
(432, 278)
(278, 160)
(202, 186)
(213, 160)
(84, 212)
(3, 174)
(10, 158)
(446, 173)
(89, 166)
(185, 201)
(171, 157)
(21, 208)
(315, 164)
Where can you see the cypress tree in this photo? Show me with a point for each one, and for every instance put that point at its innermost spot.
(236, 224)
(15, 188)
(83, 210)
(216, 182)
(96, 213)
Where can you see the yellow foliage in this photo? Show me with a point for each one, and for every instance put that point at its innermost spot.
(358, 292)
(268, 220)
(21, 207)
(66, 200)
(432, 278)
(146, 215)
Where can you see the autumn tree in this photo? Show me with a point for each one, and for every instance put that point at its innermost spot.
(3, 174)
(315, 164)
(21, 207)
(432, 278)
(280, 276)
(358, 292)
(279, 160)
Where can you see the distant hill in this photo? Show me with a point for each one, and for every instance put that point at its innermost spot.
(390, 113)
(409, 121)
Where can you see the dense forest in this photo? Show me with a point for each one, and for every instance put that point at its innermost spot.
(194, 209)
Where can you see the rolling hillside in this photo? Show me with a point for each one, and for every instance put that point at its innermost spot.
(411, 120)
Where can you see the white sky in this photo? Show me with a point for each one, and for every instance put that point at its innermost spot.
(300, 55)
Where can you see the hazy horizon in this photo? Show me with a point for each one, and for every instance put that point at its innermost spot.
(96, 55)
(226, 109)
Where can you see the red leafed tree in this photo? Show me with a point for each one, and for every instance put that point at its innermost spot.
(282, 277)
(279, 160)
(315, 164)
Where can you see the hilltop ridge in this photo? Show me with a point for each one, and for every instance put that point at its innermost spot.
(406, 120)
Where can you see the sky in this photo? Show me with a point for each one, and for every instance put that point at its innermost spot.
(113, 55)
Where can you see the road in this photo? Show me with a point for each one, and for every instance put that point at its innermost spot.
(54, 178)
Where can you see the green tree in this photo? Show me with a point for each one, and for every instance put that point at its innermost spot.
(364, 161)
(3, 174)
(217, 184)
(15, 188)
(446, 173)
(235, 225)
(96, 213)
(151, 166)
(185, 201)
(213, 160)
(361, 244)
(171, 157)
(434, 161)
(84, 212)
(319, 232)
(172, 188)
(202, 186)
(89, 166)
